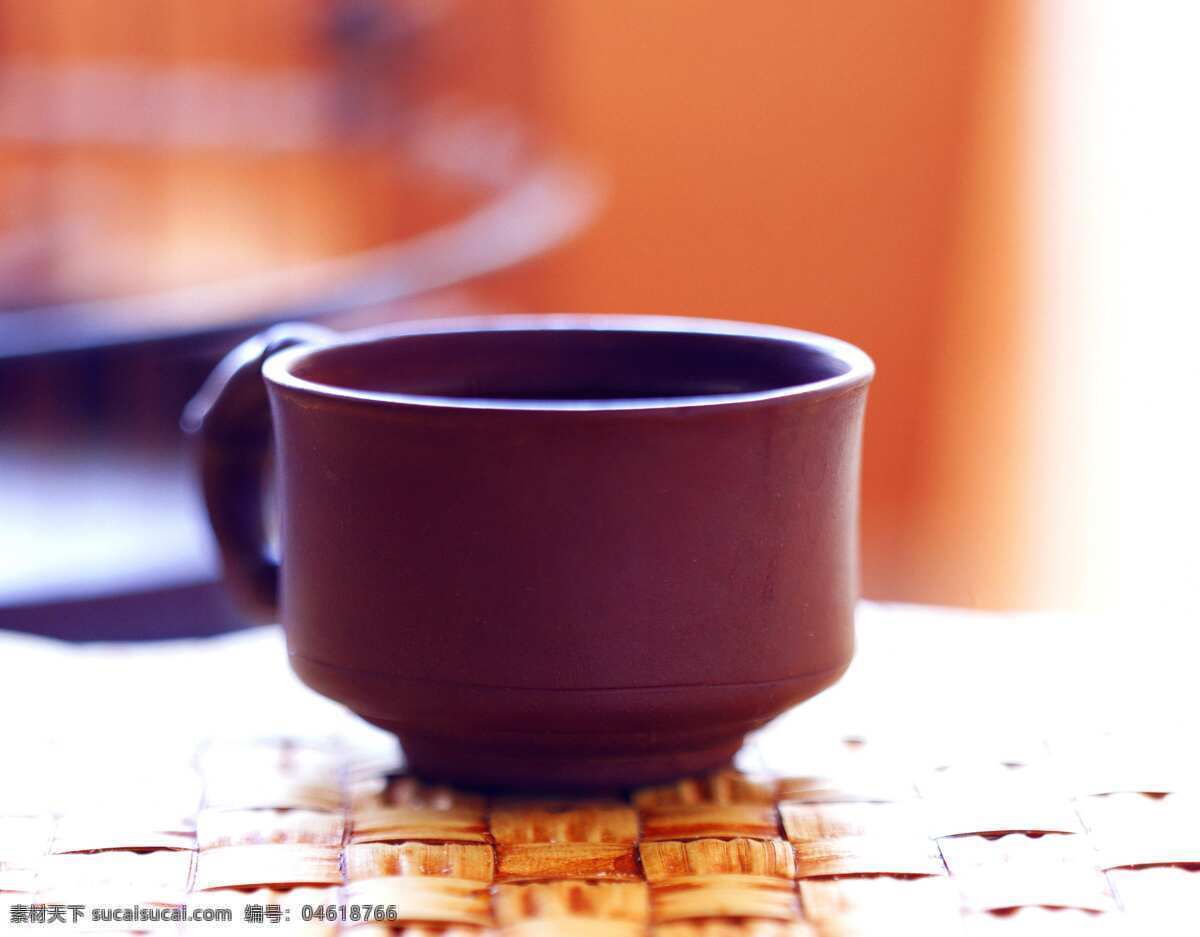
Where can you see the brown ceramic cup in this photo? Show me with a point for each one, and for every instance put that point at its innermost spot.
(559, 551)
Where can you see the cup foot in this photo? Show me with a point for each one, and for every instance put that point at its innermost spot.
(456, 763)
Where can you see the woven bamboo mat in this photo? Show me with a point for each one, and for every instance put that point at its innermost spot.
(112, 796)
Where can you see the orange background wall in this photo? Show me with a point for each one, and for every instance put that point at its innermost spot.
(842, 167)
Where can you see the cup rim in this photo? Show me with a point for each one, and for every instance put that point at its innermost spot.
(860, 369)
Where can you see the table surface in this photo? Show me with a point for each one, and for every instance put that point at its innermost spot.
(972, 774)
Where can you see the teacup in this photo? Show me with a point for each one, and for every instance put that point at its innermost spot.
(547, 551)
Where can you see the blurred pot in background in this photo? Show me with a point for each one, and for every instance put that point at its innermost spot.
(174, 175)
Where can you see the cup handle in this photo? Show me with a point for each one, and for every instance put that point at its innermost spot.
(229, 421)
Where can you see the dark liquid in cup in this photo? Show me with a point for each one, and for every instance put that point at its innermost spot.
(570, 365)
